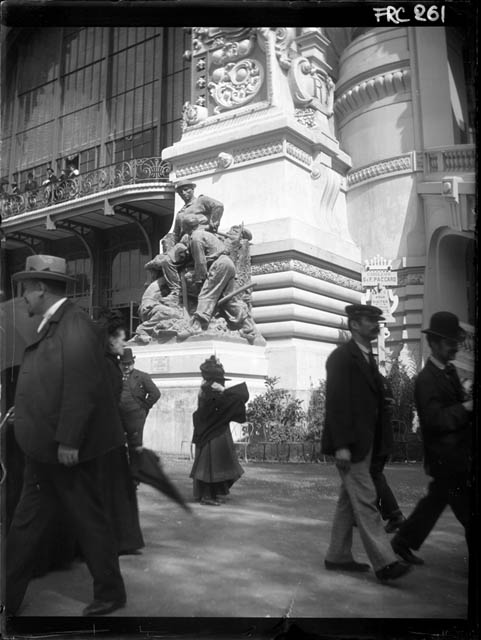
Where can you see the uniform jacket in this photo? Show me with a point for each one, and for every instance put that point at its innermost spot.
(356, 415)
(202, 205)
(143, 389)
(205, 248)
(445, 423)
(63, 394)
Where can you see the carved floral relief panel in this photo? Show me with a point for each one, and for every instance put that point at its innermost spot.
(228, 71)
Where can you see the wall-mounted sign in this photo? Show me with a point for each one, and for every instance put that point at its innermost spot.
(378, 271)
(385, 300)
(376, 276)
(373, 277)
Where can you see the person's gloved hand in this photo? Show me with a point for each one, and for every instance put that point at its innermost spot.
(343, 460)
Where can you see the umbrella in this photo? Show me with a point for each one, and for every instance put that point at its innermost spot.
(17, 330)
(146, 467)
(3, 469)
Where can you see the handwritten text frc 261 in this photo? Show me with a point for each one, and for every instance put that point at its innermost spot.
(420, 13)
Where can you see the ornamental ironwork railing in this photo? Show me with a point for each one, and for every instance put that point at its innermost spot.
(129, 172)
(458, 158)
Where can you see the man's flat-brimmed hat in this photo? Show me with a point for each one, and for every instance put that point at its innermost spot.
(364, 310)
(184, 183)
(445, 325)
(127, 357)
(40, 267)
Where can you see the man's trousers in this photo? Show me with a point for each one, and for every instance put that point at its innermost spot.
(55, 491)
(386, 501)
(357, 505)
(443, 490)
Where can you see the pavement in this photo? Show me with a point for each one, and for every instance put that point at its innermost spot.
(261, 556)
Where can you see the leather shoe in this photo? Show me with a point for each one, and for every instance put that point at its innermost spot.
(393, 571)
(102, 607)
(359, 567)
(404, 552)
(210, 502)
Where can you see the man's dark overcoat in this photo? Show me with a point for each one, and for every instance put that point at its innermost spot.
(63, 394)
(356, 416)
(445, 423)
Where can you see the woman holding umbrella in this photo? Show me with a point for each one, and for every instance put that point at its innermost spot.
(216, 466)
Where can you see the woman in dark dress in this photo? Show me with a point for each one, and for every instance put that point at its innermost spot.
(120, 491)
(216, 466)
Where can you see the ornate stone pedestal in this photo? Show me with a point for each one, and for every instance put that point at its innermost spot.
(259, 136)
(175, 369)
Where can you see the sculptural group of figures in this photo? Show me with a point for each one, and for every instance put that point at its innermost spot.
(202, 281)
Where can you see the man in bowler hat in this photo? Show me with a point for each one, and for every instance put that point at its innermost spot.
(354, 431)
(445, 416)
(139, 394)
(66, 419)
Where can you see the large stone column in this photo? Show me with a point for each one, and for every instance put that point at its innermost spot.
(259, 136)
(401, 113)
(376, 115)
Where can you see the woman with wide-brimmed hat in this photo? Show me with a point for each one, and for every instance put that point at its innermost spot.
(216, 466)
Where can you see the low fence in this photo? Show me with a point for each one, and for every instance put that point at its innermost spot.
(410, 450)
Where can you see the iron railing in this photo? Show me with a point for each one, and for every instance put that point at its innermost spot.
(133, 171)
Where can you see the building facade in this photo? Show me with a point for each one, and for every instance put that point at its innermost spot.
(333, 145)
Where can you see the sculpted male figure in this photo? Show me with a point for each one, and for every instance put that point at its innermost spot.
(168, 264)
(214, 272)
(208, 209)
(66, 419)
(209, 212)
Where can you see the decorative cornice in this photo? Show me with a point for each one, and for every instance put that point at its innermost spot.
(254, 152)
(298, 154)
(225, 160)
(372, 90)
(193, 168)
(406, 163)
(277, 266)
(245, 154)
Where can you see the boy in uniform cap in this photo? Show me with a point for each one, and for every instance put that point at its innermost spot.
(354, 430)
(139, 394)
(66, 420)
(445, 416)
(210, 209)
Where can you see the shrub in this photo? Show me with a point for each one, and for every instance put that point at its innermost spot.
(316, 411)
(402, 386)
(276, 415)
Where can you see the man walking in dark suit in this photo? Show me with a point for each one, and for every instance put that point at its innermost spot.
(354, 430)
(65, 421)
(139, 394)
(445, 417)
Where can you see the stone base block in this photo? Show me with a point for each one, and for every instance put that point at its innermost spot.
(175, 369)
(299, 364)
